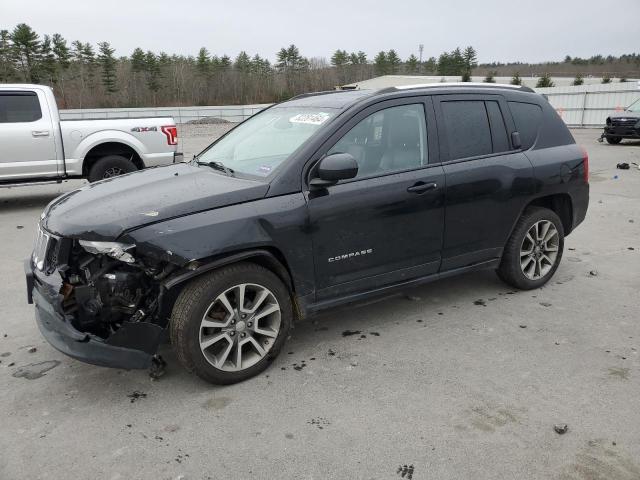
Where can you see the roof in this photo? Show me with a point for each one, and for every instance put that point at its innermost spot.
(338, 99)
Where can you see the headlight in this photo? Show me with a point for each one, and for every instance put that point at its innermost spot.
(115, 250)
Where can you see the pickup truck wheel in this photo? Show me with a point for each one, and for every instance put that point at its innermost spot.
(110, 166)
(229, 325)
(534, 250)
(614, 140)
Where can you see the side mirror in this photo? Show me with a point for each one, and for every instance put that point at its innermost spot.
(333, 168)
(515, 140)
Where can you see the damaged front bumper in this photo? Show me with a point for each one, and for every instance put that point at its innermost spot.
(132, 346)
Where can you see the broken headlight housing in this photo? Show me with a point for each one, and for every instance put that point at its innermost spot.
(115, 250)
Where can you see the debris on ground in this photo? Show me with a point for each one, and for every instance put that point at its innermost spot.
(593, 273)
(136, 395)
(623, 166)
(413, 298)
(561, 428)
(480, 302)
(545, 304)
(348, 333)
(32, 349)
(19, 227)
(522, 326)
(157, 368)
(405, 471)
(33, 371)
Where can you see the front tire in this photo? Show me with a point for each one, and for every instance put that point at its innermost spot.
(110, 166)
(227, 326)
(614, 140)
(534, 250)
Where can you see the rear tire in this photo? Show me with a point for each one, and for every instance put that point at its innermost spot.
(534, 250)
(229, 325)
(110, 166)
(614, 140)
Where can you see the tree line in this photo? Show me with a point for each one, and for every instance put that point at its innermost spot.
(84, 76)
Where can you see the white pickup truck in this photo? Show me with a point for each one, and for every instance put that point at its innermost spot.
(36, 146)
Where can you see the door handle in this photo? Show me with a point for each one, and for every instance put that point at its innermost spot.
(40, 133)
(422, 187)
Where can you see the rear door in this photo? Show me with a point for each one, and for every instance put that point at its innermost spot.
(488, 180)
(384, 226)
(26, 136)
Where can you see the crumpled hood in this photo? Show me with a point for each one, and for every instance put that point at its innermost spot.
(106, 209)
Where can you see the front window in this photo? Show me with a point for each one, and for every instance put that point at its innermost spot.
(262, 143)
(634, 107)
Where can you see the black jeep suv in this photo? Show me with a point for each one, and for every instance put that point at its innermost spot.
(321, 200)
(624, 124)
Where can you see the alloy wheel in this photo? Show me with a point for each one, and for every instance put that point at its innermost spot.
(539, 250)
(240, 327)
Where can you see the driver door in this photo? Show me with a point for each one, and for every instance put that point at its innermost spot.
(386, 225)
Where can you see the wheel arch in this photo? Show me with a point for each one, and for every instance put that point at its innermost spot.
(110, 148)
(268, 257)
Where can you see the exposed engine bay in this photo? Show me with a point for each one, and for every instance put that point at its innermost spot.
(102, 293)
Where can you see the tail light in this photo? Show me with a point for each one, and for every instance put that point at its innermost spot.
(585, 165)
(171, 132)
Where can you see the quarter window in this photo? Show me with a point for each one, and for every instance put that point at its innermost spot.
(393, 139)
(467, 125)
(19, 107)
(527, 117)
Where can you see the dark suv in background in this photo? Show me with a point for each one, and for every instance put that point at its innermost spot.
(625, 124)
(318, 201)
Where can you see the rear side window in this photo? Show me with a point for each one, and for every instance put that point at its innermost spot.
(16, 107)
(467, 125)
(527, 117)
(498, 128)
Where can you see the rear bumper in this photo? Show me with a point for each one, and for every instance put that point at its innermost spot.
(580, 199)
(132, 346)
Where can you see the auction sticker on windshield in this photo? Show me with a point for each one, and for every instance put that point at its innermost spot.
(310, 118)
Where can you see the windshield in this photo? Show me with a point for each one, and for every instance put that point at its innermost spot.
(635, 106)
(260, 144)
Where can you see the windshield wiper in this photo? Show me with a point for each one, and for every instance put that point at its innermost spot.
(218, 166)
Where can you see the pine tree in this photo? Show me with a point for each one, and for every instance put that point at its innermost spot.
(516, 80)
(470, 59)
(544, 81)
(606, 78)
(490, 78)
(380, 63)
(339, 58)
(107, 63)
(242, 63)
(203, 62)
(578, 80)
(393, 62)
(152, 68)
(412, 64)
(47, 61)
(7, 68)
(26, 47)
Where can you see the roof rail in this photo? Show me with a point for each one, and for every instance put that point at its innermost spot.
(456, 84)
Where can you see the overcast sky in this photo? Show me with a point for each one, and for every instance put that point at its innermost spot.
(500, 30)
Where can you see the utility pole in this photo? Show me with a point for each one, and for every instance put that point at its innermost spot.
(421, 48)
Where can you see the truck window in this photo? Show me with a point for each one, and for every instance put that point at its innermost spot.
(527, 117)
(16, 107)
(467, 126)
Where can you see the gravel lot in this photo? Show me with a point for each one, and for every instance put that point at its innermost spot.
(458, 379)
